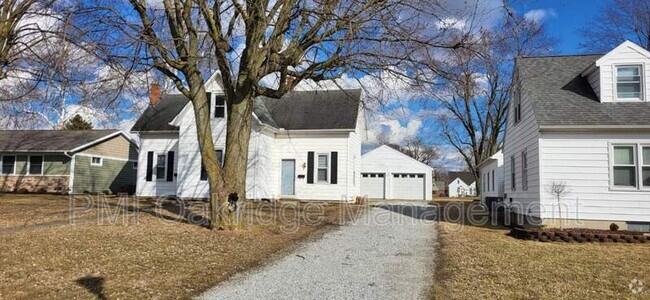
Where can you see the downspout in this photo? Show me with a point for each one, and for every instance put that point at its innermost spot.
(71, 175)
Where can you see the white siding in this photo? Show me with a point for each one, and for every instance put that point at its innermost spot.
(494, 186)
(297, 145)
(389, 161)
(520, 136)
(158, 143)
(189, 175)
(260, 178)
(582, 162)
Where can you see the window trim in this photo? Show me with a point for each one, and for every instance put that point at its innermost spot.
(156, 166)
(327, 169)
(29, 164)
(223, 152)
(638, 166)
(641, 68)
(2, 161)
(101, 161)
(517, 103)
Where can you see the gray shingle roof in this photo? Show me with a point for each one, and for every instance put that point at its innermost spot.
(157, 118)
(562, 97)
(48, 140)
(332, 109)
(466, 177)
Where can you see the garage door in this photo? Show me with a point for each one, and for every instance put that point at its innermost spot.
(408, 186)
(372, 185)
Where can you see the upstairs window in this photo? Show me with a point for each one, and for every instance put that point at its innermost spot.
(516, 97)
(629, 83)
(219, 106)
(96, 161)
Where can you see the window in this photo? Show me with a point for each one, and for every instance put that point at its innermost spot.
(493, 180)
(645, 172)
(322, 167)
(219, 106)
(513, 182)
(624, 166)
(134, 165)
(36, 165)
(161, 164)
(96, 161)
(628, 83)
(517, 103)
(524, 170)
(204, 172)
(8, 165)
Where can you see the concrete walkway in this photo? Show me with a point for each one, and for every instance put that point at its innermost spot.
(388, 253)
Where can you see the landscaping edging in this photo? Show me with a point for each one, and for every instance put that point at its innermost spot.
(578, 235)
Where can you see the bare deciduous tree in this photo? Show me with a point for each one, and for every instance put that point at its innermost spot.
(417, 149)
(288, 40)
(619, 20)
(477, 84)
(558, 189)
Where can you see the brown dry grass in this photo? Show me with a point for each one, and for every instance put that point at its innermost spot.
(137, 254)
(484, 263)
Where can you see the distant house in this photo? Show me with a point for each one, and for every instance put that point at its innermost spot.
(61, 161)
(492, 179)
(582, 121)
(439, 188)
(387, 173)
(462, 184)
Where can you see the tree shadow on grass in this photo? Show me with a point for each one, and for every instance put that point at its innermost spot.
(94, 284)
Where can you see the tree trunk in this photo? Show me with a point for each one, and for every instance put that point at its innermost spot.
(240, 114)
(220, 216)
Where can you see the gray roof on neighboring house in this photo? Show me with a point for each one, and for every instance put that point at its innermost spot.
(562, 97)
(466, 177)
(439, 185)
(48, 140)
(331, 109)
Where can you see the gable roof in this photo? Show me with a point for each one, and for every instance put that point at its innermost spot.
(52, 140)
(562, 97)
(466, 177)
(386, 148)
(297, 110)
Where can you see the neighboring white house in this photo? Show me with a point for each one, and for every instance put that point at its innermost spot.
(387, 173)
(462, 184)
(491, 171)
(581, 120)
(306, 145)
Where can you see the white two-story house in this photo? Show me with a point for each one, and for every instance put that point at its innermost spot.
(306, 145)
(582, 121)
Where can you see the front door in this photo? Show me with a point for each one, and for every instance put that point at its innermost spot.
(288, 177)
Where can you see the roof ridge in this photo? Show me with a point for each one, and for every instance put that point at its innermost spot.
(559, 55)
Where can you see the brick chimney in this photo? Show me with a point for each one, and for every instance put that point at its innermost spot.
(154, 94)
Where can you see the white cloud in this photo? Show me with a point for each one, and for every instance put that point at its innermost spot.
(452, 23)
(538, 15)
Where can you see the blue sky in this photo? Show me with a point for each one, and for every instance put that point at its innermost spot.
(564, 18)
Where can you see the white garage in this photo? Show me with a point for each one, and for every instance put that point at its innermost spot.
(387, 173)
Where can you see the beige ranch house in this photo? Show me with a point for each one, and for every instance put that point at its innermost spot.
(61, 161)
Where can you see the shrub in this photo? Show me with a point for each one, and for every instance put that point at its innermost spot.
(22, 191)
(613, 227)
(106, 192)
(42, 190)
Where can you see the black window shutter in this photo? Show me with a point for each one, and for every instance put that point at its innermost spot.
(170, 166)
(149, 165)
(310, 167)
(209, 96)
(335, 167)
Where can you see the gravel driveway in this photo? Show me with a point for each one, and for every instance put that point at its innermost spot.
(387, 253)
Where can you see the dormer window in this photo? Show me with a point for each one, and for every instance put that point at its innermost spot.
(629, 84)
